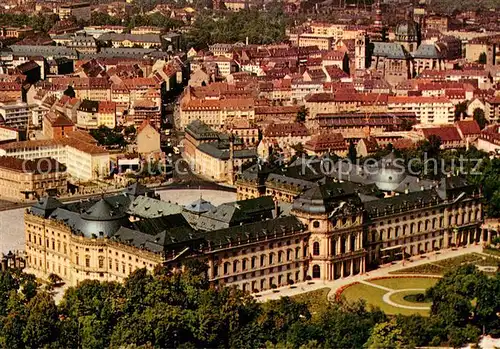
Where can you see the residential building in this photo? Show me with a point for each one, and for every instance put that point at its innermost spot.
(215, 113)
(56, 125)
(148, 139)
(492, 109)
(428, 110)
(145, 41)
(9, 134)
(15, 114)
(80, 11)
(31, 179)
(84, 161)
(214, 155)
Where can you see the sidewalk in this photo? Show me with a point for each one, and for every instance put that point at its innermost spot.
(302, 287)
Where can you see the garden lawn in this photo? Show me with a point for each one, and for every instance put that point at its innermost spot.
(409, 282)
(445, 265)
(492, 251)
(399, 298)
(373, 296)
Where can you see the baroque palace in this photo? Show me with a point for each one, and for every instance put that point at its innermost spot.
(287, 225)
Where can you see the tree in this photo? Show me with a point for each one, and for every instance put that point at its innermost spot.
(387, 335)
(482, 58)
(460, 110)
(466, 302)
(407, 124)
(70, 92)
(352, 153)
(431, 146)
(42, 321)
(301, 114)
(480, 117)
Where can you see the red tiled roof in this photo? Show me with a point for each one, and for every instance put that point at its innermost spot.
(326, 141)
(41, 165)
(403, 144)
(468, 127)
(445, 133)
(58, 120)
(285, 130)
(417, 99)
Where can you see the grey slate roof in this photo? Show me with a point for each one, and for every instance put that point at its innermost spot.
(232, 213)
(223, 154)
(45, 51)
(429, 51)
(146, 207)
(150, 38)
(103, 210)
(402, 202)
(413, 183)
(390, 50)
(45, 206)
(252, 231)
(200, 130)
(327, 198)
(136, 189)
(199, 206)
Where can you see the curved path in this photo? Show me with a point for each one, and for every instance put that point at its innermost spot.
(387, 299)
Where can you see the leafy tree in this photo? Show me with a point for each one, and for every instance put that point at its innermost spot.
(352, 153)
(480, 117)
(460, 110)
(348, 325)
(301, 114)
(407, 124)
(260, 27)
(280, 315)
(42, 321)
(109, 137)
(482, 58)
(466, 302)
(431, 146)
(387, 335)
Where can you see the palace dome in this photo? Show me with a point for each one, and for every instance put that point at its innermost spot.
(101, 220)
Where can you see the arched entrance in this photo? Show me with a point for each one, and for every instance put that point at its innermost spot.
(316, 272)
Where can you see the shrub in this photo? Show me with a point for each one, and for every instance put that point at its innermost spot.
(273, 286)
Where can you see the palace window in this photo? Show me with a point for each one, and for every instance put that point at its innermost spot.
(316, 248)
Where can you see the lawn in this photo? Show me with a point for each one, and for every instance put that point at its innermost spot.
(445, 265)
(402, 283)
(373, 296)
(315, 300)
(492, 251)
(399, 298)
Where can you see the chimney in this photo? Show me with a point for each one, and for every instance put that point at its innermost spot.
(246, 40)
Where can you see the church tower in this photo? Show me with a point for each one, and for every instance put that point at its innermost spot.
(360, 52)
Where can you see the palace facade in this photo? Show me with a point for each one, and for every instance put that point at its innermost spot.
(330, 229)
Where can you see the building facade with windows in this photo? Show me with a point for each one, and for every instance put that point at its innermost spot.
(332, 230)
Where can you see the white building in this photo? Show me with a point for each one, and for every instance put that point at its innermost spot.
(15, 114)
(429, 110)
(84, 161)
